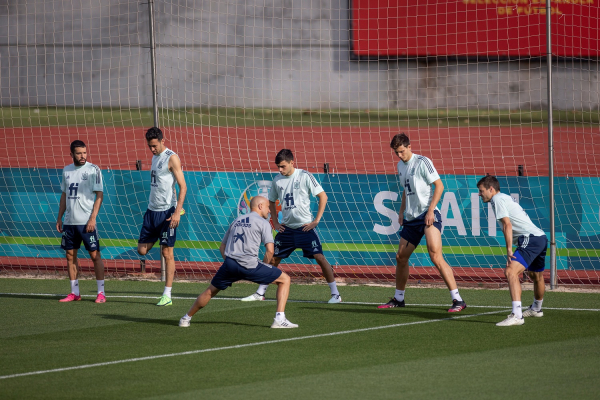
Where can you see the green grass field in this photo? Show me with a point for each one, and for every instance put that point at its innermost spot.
(128, 348)
(11, 117)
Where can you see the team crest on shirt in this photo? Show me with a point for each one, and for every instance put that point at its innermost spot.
(84, 176)
(160, 164)
(296, 185)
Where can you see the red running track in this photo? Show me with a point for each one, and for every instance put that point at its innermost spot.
(363, 150)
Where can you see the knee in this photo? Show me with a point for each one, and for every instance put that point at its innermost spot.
(95, 256)
(510, 273)
(167, 253)
(401, 258)
(285, 278)
(142, 251)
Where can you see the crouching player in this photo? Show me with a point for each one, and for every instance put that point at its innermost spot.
(239, 249)
(530, 254)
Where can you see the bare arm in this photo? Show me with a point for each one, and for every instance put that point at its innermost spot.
(507, 230)
(273, 210)
(270, 250)
(61, 211)
(91, 224)
(222, 249)
(402, 208)
(322, 204)
(437, 195)
(175, 168)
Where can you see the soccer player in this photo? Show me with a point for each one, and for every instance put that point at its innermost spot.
(239, 249)
(80, 203)
(529, 256)
(419, 216)
(293, 187)
(164, 208)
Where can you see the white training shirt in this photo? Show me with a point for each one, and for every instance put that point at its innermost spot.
(504, 206)
(162, 182)
(294, 193)
(79, 185)
(416, 176)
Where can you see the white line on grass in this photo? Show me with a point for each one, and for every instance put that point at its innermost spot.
(289, 301)
(240, 346)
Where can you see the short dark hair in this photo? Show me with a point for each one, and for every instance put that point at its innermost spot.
(76, 143)
(489, 181)
(400, 140)
(284, 155)
(154, 133)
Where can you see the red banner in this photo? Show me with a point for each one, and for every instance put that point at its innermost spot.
(496, 28)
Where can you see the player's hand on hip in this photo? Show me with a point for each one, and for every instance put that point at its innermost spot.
(174, 220)
(309, 226)
(429, 218)
(278, 227)
(59, 226)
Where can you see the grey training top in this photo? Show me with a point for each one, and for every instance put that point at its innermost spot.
(244, 237)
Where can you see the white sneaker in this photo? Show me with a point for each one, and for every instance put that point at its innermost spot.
(335, 298)
(511, 320)
(184, 322)
(283, 324)
(529, 312)
(254, 297)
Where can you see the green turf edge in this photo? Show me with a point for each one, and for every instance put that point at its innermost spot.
(361, 247)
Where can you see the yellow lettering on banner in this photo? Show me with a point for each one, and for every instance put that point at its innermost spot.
(525, 2)
(534, 1)
(501, 11)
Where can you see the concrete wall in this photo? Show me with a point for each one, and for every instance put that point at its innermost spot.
(245, 53)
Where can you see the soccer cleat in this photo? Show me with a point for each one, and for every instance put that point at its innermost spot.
(164, 301)
(529, 312)
(101, 298)
(70, 297)
(511, 320)
(335, 298)
(184, 322)
(285, 324)
(254, 297)
(457, 306)
(392, 303)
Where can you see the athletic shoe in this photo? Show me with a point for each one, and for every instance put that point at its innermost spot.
(70, 297)
(164, 301)
(254, 297)
(529, 312)
(392, 303)
(511, 320)
(285, 324)
(335, 298)
(101, 298)
(184, 322)
(457, 306)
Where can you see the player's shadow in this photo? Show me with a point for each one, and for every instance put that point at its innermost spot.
(171, 322)
(27, 296)
(393, 313)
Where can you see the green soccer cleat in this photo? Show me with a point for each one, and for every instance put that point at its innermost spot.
(164, 301)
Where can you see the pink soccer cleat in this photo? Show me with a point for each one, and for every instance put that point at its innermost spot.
(70, 297)
(101, 298)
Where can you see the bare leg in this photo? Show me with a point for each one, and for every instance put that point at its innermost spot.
(72, 264)
(512, 273)
(167, 253)
(98, 264)
(539, 286)
(405, 250)
(144, 248)
(434, 247)
(203, 299)
(283, 291)
(325, 267)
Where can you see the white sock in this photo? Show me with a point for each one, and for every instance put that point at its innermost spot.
(455, 295)
(399, 295)
(517, 309)
(75, 287)
(280, 316)
(262, 289)
(100, 284)
(333, 287)
(167, 292)
(537, 305)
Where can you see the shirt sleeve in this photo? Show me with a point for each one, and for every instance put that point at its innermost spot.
(312, 185)
(428, 171)
(500, 209)
(226, 237)
(267, 233)
(273, 195)
(98, 184)
(63, 183)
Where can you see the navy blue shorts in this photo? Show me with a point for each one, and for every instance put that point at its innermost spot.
(73, 235)
(231, 271)
(291, 239)
(157, 227)
(413, 231)
(531, 252)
